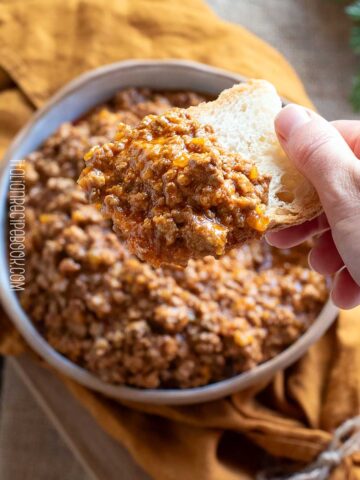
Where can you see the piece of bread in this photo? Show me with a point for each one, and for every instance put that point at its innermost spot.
(201, 181)
(243, 120)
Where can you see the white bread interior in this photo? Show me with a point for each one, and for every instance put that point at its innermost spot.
(243, 120)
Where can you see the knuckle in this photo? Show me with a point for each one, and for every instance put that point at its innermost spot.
(356, 147)
(313, 148)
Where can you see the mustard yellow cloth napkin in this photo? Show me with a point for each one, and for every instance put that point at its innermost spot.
(44, 44)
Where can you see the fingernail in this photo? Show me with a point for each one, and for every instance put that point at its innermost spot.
(309, 261)
(289, 119)
(268, 238)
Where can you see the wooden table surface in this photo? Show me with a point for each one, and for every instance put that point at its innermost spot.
(313, 35)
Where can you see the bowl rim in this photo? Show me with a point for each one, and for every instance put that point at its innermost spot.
(38, 343)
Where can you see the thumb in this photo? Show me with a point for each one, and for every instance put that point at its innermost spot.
(322, 155)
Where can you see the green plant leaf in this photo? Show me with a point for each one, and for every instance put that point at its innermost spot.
(355, 94)
(355, 39)
(353, 11)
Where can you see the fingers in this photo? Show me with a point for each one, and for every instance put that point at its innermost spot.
(290, 237)
(325, 259)
(323, 156)
(346, 235)
(345, 292)
(324, 256)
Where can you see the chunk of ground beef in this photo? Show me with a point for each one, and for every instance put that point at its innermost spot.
(173, 193)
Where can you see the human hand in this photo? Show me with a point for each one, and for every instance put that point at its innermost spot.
(328, 155)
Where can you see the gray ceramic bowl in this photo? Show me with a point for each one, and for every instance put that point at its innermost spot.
(72, 101)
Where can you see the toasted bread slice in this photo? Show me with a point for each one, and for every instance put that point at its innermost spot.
(201, 181)
(243, 121)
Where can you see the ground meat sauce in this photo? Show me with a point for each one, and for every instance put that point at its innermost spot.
(132, 324)
(173, 193)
